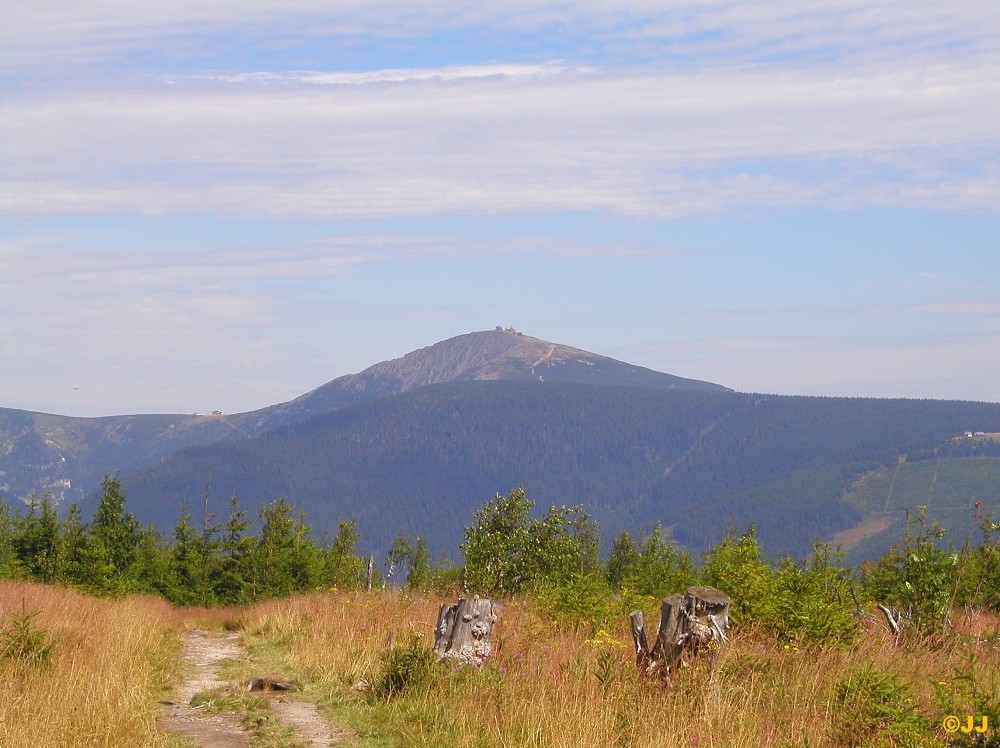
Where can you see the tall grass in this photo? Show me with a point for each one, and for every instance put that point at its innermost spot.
(549, 686)
(106, 664)
(90, 673)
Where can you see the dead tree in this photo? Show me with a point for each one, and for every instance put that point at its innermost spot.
(894, 619)
(463, 630)
(688, 623)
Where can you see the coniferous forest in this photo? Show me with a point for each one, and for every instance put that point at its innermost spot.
(510, 547)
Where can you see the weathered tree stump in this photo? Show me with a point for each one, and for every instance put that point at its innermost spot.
(688, 622)
(463, 630)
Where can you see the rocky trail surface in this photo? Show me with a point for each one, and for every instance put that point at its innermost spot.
(205, 653)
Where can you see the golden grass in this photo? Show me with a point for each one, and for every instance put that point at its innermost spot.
(547, 686)
(551, 687)
(110, 660)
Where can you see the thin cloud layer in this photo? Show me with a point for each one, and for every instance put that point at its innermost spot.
(918, 366)
(208, 204)
(47, 32)
(644, 143)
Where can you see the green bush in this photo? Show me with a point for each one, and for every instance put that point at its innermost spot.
(581, 600)
(24, 641)
(810, 600)
(405, 668)
(873, 709)
(916, 576)
(737, 567)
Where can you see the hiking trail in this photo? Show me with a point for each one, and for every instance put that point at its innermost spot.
(205, 653)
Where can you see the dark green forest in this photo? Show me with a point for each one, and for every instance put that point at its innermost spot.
(509, 547)
(693, 461)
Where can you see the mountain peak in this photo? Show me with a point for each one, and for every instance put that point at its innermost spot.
(498, 354)
(66, 457)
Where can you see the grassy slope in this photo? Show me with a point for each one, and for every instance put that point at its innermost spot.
(547, 685)
(110, 661)
(948, 488)
(542, 690)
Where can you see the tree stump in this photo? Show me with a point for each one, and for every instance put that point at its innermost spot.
(688, 622)
(463, 630)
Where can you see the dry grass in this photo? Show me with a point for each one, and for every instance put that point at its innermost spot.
(99, 687)
(547, 686)
(550, 687)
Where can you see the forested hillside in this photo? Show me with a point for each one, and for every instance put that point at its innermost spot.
(695, 461)
(65, 457)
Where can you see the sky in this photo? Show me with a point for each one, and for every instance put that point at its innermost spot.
(216, 205)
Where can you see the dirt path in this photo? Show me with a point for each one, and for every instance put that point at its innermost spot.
(546, 357)
(205, 652)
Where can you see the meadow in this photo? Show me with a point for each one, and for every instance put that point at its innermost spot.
(93, 670)
(811, 661)
(83, 671)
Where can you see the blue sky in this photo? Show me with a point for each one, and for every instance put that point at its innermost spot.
(218, 205)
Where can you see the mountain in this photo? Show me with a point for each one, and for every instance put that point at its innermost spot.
(420, 462)
(67, 456)
(496, 355)
(416, 444)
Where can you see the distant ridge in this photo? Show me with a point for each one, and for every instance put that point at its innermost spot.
(66, 456)
(418, 442)
(799, 468)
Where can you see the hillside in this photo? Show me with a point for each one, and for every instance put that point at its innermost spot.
(66, 457)
(422, 461)
(416, 443)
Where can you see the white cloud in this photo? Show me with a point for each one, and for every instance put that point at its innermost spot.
(401, 75)
(947, 308)
(90, 332)
(635, 109)
(653, 143)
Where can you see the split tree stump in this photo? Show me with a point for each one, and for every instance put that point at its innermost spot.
(687, 623)
(463, 630)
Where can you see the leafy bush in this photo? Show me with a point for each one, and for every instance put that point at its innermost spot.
(654, 568)
(916, 576)
(507, 552)
(738, 568)
(810, 600)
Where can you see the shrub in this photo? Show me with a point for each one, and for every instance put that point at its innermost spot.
(738, 568)
(810, 600)
(873, 709)
(579, 601)
(23, 640)
(405, 668)
(916, 577)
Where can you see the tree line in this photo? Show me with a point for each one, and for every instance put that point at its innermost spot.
(217, 560)
(508, 549)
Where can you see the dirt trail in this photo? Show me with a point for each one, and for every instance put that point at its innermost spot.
(204, 652)
(546, 357)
